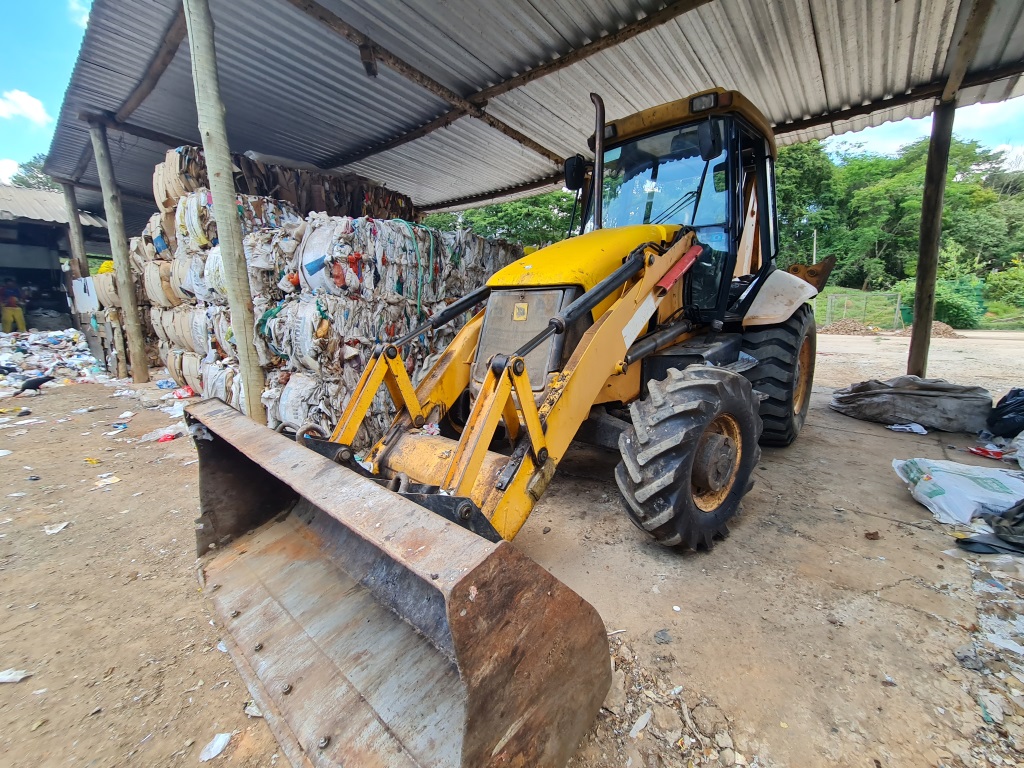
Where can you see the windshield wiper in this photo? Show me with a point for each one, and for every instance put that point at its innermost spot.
(678, 205)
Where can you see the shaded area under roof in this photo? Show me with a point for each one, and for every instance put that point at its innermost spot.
(40, 205)
(295, 89)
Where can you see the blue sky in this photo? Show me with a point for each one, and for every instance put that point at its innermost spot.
(35, 67)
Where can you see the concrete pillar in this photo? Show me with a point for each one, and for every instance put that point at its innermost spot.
(132, 323)
(213, 130)
(931, 233)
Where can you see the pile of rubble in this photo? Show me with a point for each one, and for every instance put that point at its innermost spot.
(647, 721)
(848, 327)
(939, 331)
(994, 665)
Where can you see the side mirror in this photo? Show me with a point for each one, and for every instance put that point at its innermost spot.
(575, 172)
(709, 137)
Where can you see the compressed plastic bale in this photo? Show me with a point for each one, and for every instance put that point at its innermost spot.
(195, 282)
(157, 281)
(106, 290)
(174, 363)
(179, 277)
(199, 330)
(214, 277)
(217, 381)
(191, 369)
(156, 319)
(297, 398)
(220, 322)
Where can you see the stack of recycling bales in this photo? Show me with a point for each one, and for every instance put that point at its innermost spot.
(325, 292)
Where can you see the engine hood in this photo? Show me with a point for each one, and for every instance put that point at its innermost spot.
(584, 260)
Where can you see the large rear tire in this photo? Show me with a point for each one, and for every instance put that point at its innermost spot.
(688, 458)
(785, 355)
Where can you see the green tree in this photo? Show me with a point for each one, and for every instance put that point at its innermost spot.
(536, 220)
(805, 183)
(30, 174)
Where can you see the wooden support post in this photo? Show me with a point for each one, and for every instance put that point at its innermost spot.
(79, 258)
(213, 131)
(931, 232)
(116, 330)
(119, 249)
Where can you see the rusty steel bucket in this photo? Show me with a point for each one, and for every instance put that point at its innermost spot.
(372, 632)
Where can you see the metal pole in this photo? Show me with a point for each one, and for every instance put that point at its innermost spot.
(931, 232)
(79, 258)
(214, 134)
(119, 250)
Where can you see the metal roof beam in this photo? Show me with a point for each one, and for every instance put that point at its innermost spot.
(368, 48)
(932, 90)
(671, 11)
(157, 137)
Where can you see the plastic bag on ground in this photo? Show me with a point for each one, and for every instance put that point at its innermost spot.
(956, 493)
(1007, 418)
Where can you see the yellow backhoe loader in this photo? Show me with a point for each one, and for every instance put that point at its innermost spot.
(370, 597)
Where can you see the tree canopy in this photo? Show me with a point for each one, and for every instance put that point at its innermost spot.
(536, 220)
(30, 174)
(866, 209)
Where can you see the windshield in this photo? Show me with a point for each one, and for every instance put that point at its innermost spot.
(661, 179)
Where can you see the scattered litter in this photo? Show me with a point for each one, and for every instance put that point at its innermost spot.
(221, 647)
(39, 692)
(872, 535)
(168, 437)
(956, 493)
(33, 477)
(160, 434)
(189, 463)
(17, 495)
(5, 453)
(38, 724)
(986, 452)
(640, 724)
(166, 384)
(662, 637)
(14, 675)
(19, 433)
(889, 682)
(126, 416)
(215, 747)
(251, 709)
(49, 530)
(676, 608)
(91, 460)
(913, 426)
(106, 481)
(184, 393)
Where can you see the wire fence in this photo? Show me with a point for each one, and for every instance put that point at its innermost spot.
(878, 310)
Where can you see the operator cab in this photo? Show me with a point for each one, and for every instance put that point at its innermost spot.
(705, 162)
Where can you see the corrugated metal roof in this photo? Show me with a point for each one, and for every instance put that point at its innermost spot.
(295, 89)
(39, 205)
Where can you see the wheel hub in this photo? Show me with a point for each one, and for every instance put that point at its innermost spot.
(716, 455)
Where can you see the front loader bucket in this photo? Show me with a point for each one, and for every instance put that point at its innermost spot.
(372, 632)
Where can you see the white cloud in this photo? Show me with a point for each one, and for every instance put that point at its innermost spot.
(7, 169)
(79, 10)
(21, 104)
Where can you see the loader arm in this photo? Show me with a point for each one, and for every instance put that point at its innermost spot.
(505, 488)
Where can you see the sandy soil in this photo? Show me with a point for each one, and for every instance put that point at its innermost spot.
(790, 626)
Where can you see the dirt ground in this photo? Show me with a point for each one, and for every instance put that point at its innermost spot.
(820, 646)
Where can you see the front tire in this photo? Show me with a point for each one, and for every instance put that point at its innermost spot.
(785, 355)
(689, 456)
